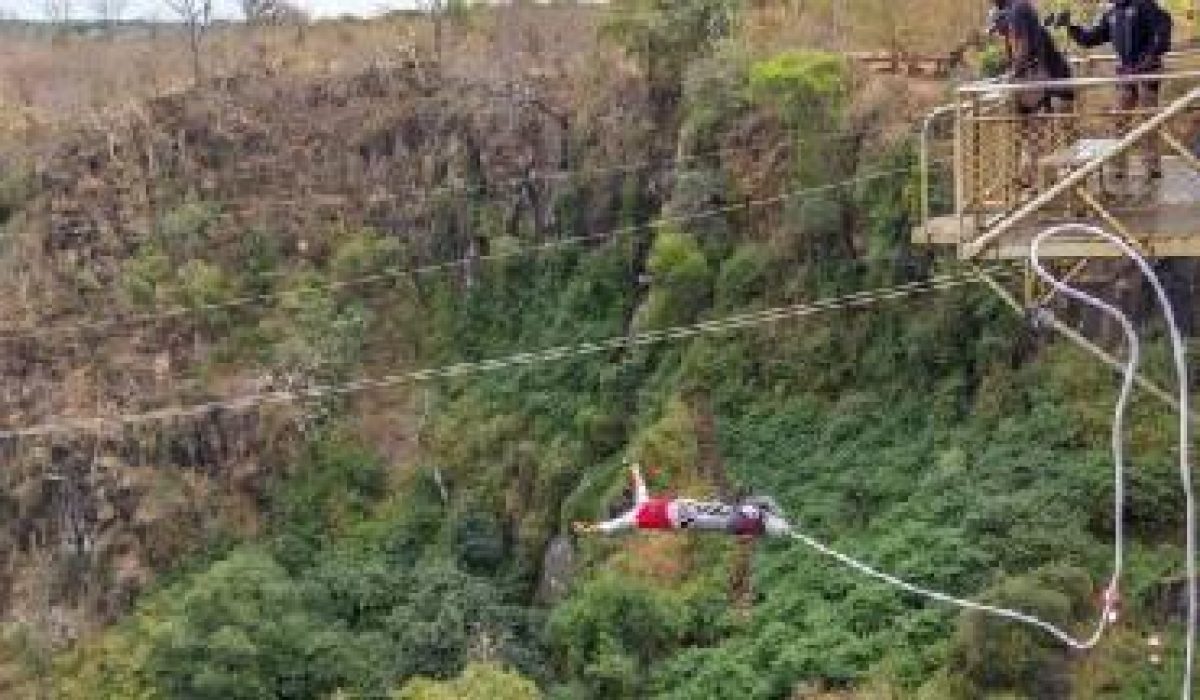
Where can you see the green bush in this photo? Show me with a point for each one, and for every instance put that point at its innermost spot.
(479, 542)
(184, 231)
(612, 632)
(714, 99)
(993, 62)
(242, 630)
(365, 252)
(667, 35)
(477, 682)
(681, 281)
(321, 338)
(331, 490)
(743, 278)
(145, 276)
(259, 256)
(203, 288)
(16, 186)
(998, 655)
(807, 88)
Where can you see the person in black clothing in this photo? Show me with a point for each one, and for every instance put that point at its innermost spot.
(997, 25)
(1033, 58)
(1140, 32)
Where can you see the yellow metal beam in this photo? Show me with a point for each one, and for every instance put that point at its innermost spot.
(1077, 338)
(977, 246)
(1175, 246)
(1071, 275)
(1184, 152)
(1108, 218)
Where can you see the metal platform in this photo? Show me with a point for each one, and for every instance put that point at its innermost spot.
(1162, 218)
(1084, 161)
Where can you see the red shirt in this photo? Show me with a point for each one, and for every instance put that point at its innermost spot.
(653, 515)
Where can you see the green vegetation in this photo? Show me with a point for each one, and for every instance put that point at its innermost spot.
(930, 436)
(478, 682)
(16, 185)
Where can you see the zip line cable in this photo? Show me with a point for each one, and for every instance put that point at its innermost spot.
(727, 324)
(393, 274)
(426, 195)
(1112, 591)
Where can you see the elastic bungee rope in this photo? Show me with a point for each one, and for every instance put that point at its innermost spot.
(1112, 591)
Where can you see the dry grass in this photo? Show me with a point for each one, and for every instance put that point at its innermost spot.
(867, 25)
(47, 84)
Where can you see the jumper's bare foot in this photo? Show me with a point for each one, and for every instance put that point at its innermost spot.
(581, 528)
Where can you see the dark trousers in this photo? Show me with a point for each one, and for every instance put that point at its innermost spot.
(1139, 96)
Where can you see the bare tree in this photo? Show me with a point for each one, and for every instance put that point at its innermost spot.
(255, 10)
(109, 12)
(196, 16)
(437, 12)
(276, 12)
(57, 11)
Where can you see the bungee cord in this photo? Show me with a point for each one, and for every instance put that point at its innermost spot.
(519, 360)
(897, 582)
(1111, 598)
(1179, 356)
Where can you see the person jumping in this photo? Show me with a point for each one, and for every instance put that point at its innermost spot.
(754, 517)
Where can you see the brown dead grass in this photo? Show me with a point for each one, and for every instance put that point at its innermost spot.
(47, 84)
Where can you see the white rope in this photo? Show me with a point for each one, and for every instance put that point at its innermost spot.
(897, 582)
(716, 326)
(394, 274)
(1111, 597)
(1180, 358)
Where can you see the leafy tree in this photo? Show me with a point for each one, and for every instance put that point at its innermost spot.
(997, 655)
(611, 633)
(145, 276)
(479, 543)
(477, 682)
(242, 630)
(114, 666)
(666, 35)
(429, 621)
(202, 288)
(333, 487)
(447, 617)
(364, 252)
(681, 281)
(184, 231)
(807, 88)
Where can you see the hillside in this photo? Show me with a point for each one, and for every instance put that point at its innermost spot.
(191, 268)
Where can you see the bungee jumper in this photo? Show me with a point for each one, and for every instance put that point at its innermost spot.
(754, 517)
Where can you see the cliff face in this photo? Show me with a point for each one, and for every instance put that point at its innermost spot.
(163, 256)
(90, 515)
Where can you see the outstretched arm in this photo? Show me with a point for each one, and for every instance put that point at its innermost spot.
(626, 521)
(640, 494)
(1092, 36)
